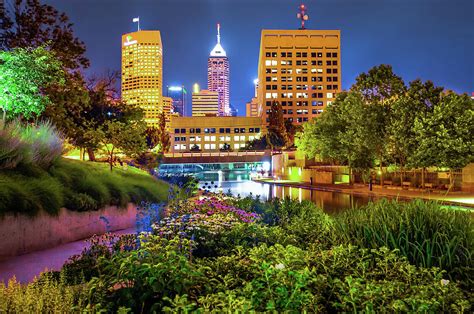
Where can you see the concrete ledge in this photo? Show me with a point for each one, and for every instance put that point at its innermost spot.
(22, 234)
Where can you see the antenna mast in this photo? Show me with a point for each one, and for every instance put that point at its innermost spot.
(218, 33)
(302, 15)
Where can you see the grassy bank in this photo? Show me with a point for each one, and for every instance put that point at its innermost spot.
(76, 185)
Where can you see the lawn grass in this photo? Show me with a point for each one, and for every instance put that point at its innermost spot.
(76, 185)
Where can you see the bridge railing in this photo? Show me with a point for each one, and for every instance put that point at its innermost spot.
(214, 154)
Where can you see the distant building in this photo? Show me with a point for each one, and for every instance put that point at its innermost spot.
(142, 73)
(178, 94)
(205, 103)
(301, 69)
(218, 75)
(251, 108)
(169, 110)
(208, 134)
(233, 111)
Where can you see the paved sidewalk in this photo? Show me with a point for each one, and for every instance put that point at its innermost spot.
(26, 267)
(454, 198)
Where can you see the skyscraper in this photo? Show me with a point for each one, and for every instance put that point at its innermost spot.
(178, 94)
(301, 69)
(218, 75)
(142, 73)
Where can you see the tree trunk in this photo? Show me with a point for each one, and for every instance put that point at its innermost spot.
(451, 179)
(381, 174)
(350, 175)
(4, 116)
(90, 153)
(423, 177)
(81, 153)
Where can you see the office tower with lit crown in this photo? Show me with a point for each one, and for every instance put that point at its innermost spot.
(178, 94)
(218, 75)
(301, 69)
(204, 103)
(142, 73)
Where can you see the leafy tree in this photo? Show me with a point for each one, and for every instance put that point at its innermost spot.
(32, 24)
(291, 130)
(380, 88)
(256, 144)
(23, 75)
(342, 134)
(380, 85)
(418, 102)
(276, 135)
(165, 141)
(116, 136)
(444, 137)
(152, 136)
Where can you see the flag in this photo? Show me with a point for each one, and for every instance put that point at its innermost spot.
(136, 19)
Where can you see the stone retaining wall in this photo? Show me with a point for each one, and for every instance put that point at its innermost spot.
(22, 234)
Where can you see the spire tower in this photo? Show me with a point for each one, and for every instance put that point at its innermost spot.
(218, 75)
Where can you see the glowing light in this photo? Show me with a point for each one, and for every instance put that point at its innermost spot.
(255, 81)
(175, 88)
(266, 166)
(196, 88)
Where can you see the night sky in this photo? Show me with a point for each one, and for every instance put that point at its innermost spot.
(427, 39)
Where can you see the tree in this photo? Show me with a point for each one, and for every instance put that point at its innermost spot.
(115, 135)
(23, 75)
(152, 136)
(291, 131)
(445, 136)
(416, 103)
(32, 24)
(226, 148)
(380, 88)
(342, 134)
(380, 85)
(195, 148)
(256, 144)
(165, 141)
(276, 135)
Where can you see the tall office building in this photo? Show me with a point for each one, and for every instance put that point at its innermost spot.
(205, 103)
(178, 94)
(142, 73)
(218, 75)
(301, 69)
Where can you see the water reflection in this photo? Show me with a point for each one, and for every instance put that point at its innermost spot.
(331, 202)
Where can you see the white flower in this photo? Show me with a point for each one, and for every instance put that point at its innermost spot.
(444, 282)
(279, 266)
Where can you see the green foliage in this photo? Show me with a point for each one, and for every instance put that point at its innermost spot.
(445, 135)
(39, 145)
(79, 186)
(44, 295)
(23, 74)
(277, 137)
(423, 232)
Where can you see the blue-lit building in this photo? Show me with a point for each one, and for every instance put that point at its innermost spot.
(178, 94)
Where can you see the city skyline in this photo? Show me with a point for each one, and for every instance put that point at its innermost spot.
(370, 36)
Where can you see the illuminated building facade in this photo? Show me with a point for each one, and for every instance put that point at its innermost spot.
(251, 108)
(218, 75)
(169, 110)
(205, 103)
(142, 73)
(178, 94)
(211, 134)
(301, 69)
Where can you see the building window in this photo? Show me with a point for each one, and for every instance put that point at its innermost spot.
(328, 55)
(257, 130)
(227, 130)
(334, 54)
(198, 130)
(250, 130)
(236, 137)
(183, 131)
(236, 130)
(221, 130)
(242, 130)
(213, 130)
(176, 139)
(176, 131)
(206, 130)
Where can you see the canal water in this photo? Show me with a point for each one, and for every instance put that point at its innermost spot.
(241, 185)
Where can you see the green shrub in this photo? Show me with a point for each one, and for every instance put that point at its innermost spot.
(48, 194)
(427, 234)
(45, 143)
(44, 295)
(13, 150)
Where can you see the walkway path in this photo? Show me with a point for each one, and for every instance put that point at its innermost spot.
(26, 267)
(454, 198)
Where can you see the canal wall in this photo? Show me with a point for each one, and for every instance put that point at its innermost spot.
(21, 234)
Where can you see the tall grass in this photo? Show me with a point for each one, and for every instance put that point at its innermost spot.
(40, 144)
(427, 234)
